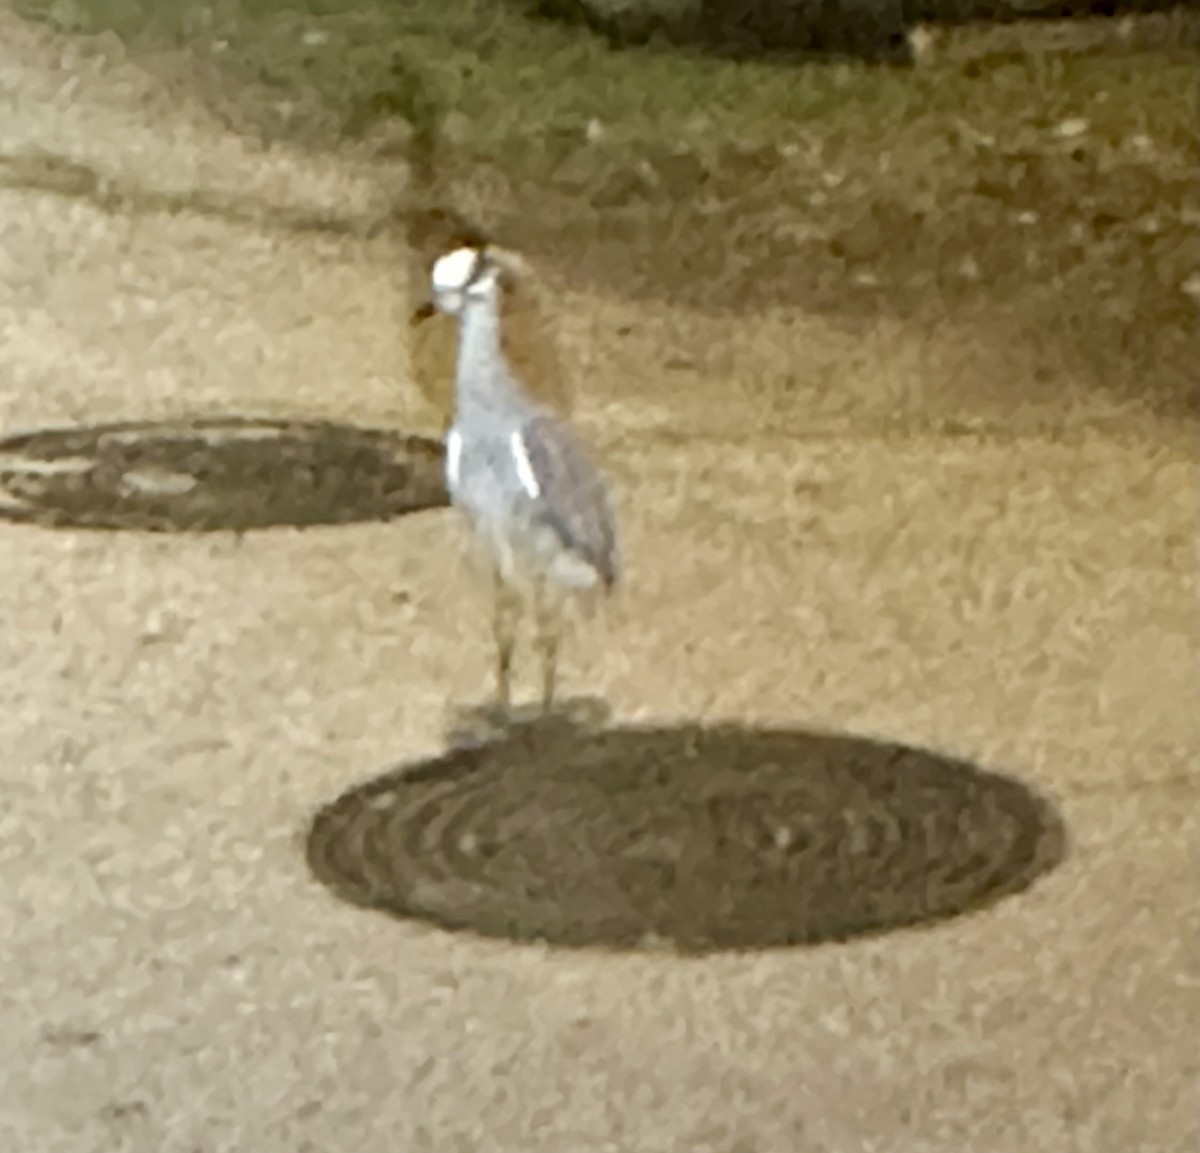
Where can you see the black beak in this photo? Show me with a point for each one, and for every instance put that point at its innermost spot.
(422, 313)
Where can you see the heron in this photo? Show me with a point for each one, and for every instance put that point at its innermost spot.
(530, 492)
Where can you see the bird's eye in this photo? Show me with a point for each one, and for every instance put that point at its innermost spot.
(478, 270)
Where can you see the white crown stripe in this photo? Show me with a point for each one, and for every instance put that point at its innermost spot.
(453, 272)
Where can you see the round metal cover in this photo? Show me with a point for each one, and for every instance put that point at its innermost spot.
(695, 839)
(212, 475)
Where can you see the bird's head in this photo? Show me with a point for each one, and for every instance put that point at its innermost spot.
(463, 274)
(473, 268)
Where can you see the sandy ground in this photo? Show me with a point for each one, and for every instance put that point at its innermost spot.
(1021, 593)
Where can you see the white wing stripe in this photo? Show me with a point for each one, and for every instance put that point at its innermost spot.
(453, 457)
(525, 473)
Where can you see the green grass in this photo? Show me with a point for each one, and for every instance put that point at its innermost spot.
(832, 187)
(338, 63)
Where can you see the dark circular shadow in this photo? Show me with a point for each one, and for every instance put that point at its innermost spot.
(216, 474)
(694, 838)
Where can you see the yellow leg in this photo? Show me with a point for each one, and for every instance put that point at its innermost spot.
(549, 626)
(504, 628)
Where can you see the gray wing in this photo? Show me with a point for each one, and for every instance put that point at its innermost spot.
(573, 498)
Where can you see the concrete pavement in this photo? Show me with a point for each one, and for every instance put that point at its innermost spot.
(174, 709)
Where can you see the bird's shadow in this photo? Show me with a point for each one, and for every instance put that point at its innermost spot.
(487, 722)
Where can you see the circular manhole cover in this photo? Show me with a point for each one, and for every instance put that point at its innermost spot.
(212, 475)
(698, 839)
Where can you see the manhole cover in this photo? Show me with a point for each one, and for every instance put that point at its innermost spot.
(696, 839)
(211, 475)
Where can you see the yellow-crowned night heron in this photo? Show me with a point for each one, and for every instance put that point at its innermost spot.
(529, 491)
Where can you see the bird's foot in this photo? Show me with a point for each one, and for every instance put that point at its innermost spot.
(482, 724)
(473, 726)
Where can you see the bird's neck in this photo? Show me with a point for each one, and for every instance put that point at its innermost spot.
(483, 380)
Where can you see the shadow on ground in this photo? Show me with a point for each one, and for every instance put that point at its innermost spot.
(217, 474)
(782, 30)
(750, 227)
(1094, 254)
(693, 838)
(799, 31)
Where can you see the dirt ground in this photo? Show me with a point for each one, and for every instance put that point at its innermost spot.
(841, 525)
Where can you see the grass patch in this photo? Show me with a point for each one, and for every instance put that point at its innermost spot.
(1044, 171)
(338, 64)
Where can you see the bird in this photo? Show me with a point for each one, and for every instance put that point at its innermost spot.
(526, 316)
(530, 492)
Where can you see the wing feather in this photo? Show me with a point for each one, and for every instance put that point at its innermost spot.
(573, 498)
